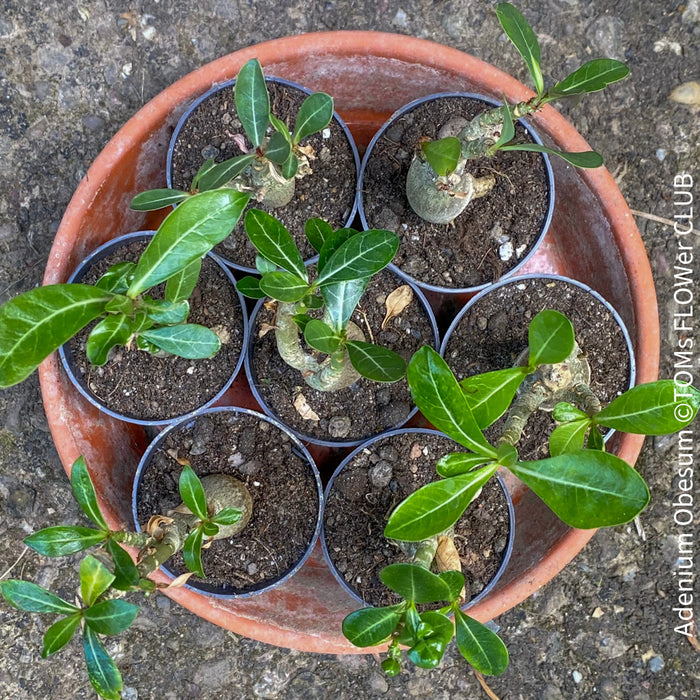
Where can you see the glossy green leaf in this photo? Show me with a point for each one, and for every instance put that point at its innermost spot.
(192, 492)
(481, 647)
(290, 167)
(551, 338)
(165, 312)
(227, 516)
(332, 243)
(360, 257)
(252, 101)
(181, 285)
(583, 159)
(263, 265)
(120, 304)
(95, 579)
(102, 671)
(657, 408)
(117, 278)
(126, 574)
(376, 362)
(457, 463)
(284, 286)
(435, 507)
(441, 400)
(520, 33)
(311, 301)
(141, 322)
(157, 199)
(192, 551)
(32, 598)
(280, 127)
(250, 287)
(568, 437)
(442, 155)
(321, 337)
(59, 634)
(301, 320)
(508, 128)
(315, 113)
(34, 324)
(428, 652)
(409, 634)
(224, 172)
(210, 529)
(414, 583)
(273, 241)
(110, 331)
(590, 77)
(506, 455)
(204, 168)
(489, 395)
(391, 667)
(111, 616)
(278, 148)
(341, 300)
(188, 340)
(595, 440)
(370, 626)
(587, 489)
(564, 412)
(64, 539)
(454, 580)
(187, 233)
(318, 232)
(84, 492)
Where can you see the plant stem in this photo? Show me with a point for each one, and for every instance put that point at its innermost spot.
(173, 539)
(523, 406)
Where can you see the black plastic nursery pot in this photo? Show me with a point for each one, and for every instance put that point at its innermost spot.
(210, 128)
(141, 388)
(280, 475)
(495, 235)
(347, 417)
(372, 480)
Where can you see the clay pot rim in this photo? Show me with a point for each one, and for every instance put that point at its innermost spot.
(247, 362)
(66, 355)
(268, 79)
(412, 431)
(549, 175)
(185, 423)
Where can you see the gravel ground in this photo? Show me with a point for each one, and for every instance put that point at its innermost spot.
(72, 73)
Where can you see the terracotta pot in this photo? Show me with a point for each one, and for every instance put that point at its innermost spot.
(307, 611)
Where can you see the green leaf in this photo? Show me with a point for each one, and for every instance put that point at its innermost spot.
(157, 199)
(506, 455)
(84, 492)
(273, 241)
(332, 243)
(188, 340)
(204, 168)
(141, 322)
(391, 667)
(102, 671)
(279, 126)
(657, 408)
(120, 304)
(458, 463)
(489, 395)
(508, 129)
(360, 257)
(126, 574)
(311, 301)
(284, 286)
(321, 337)
(165, 312)
(111, 616)
(584, 159)
(481, 647)
(568, 437)
(181, 285)
(435, 507)
(524, 39)
(565, 412)
(95, 579)
(278, 148)
(376, 362)
(595, 440)
(454, 581)
(315, 113)
(34, 324)
(551, 338)
(252, 101)
(290, 167)
(341, 299)
(210, 529)
(59, 634)
(110, 331)
(263, 265)
(117, 278)
(301, 320)
(227, 516)
(250, 287)
(188, 233)
(442, 155)
(222, 173)
(441, 400)
(370, 626)
(64, 539)
(192, 551)
(586, 489)
(428, 652)
(590, 77)
(32, 598)
(318, 232)
(414, 583)
(192, 492)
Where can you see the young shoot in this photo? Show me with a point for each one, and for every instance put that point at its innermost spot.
(440, 185)
(331, 352)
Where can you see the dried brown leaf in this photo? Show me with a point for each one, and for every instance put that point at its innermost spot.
(304, 410)
(156, 523)
(265, 328)
(181, 580)
(396, 302)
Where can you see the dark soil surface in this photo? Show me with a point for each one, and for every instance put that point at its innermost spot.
(280, 481)
(466, 253)
(137, 384)
(368, 489)
(493, 333)
(364, 409)
(327, 193)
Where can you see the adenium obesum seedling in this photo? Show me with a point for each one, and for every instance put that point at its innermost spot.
(216, 507)
(440, 186)
(34, 324)
(347, 260)
(585, 486)
(272, 160)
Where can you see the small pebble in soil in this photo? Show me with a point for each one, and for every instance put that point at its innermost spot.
(389, 453)
(656, 664)
(210, 151)
(339, 426)
(380, 474)
(577, 677)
